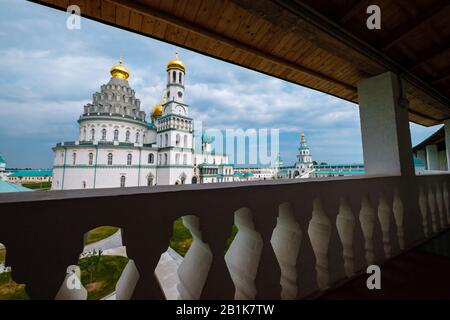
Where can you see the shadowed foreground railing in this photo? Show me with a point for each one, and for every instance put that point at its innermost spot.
(295, 239)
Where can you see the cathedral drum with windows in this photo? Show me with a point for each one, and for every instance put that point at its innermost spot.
(119, 147)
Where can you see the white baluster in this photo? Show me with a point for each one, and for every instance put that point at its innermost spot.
(423, 206)
(194, 269)
(432, 206)
(397, 207)
(242, 258)
(286, 240)
(319, 231)
(384, 216)
(345, 223)
(367, 219)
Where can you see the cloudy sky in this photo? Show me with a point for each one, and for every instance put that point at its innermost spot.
(50, 72)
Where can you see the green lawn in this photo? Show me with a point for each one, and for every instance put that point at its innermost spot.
(100, 278)
(99, 233)
(10, 290)
(182, 239)
(38, 185)
(2, 254)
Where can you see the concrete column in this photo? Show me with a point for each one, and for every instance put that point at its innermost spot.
(432, 157)
(421, 155)
(384, 127)
(447, 142)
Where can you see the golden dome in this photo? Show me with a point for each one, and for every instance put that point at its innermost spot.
(176, 64)
(119, 71)
(158, 108)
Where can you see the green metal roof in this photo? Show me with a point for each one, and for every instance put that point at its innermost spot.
(12, 187)
(32, 173)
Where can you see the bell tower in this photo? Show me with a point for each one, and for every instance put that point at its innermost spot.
(176, 71)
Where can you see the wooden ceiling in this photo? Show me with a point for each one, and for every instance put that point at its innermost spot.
(320, 44)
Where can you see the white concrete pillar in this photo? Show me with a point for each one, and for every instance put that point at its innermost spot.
(421, 155)
(384, 127)
(447, 141)
(432, 157)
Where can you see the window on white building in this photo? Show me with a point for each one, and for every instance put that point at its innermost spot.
(129, 159)
(137, 137)
(174, 76)
(110, 159)
(151, 158)
(91, 158)
(103, 134)
(166, 138)
(127, 136)
(122, 181)
(74, 158)
(92, 134)
(184, 159)
(165, 158)
(116, 135)
(177, 140)
(177, 158)
(150, 180)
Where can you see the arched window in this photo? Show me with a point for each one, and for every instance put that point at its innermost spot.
(116, 135)
(110, 159)
(74, 158)
(166, 138)
(165, 158)
(127, 136)
(137, 137)
(160, 141)
(92, 134)
(129, 159)
(122, 181)
(177, 140)
(84, 134)
(91, 158)
(177, 158)
(179, 77)
(84, 184)
(103, 134)
(185, 141)
(185, 159)
(174, 76)
(151, 158)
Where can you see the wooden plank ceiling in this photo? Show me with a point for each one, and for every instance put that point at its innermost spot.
(321, 44)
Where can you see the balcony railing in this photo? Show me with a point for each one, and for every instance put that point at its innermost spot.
(295, 239)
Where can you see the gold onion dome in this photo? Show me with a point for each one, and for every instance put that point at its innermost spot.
(158, 108)
(119, 71)
(176, 64)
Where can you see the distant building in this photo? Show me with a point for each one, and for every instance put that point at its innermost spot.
(30, 176)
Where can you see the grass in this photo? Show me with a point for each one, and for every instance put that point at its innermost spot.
(100, 278)
(38, 185)
(99, 233)
(2, 254)
(10, 290)
(182, 239)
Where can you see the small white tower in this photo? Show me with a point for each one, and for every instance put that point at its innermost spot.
(304, 155)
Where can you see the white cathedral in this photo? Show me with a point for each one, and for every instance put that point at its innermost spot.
(118, 147)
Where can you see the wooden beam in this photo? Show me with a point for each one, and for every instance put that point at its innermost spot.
(357, 7)
(412, 26)
(431, 54)
(213, 35)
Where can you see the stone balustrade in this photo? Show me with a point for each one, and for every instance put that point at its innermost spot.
(295, 239)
